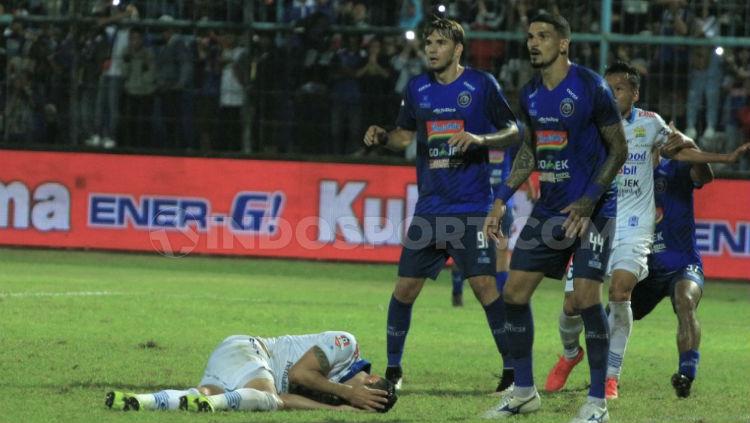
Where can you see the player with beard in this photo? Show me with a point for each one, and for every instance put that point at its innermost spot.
(575, 139)
(456, 114)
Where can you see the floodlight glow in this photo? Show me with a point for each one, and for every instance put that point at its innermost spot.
(441, 8)
(410, 35)
(719, 51)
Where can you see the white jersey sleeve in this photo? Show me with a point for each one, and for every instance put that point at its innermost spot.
(340, 348)
(661, 131)
(342, 351)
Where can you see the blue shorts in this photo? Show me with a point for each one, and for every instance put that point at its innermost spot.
(657, 285)
(543, 247)
(430, 240)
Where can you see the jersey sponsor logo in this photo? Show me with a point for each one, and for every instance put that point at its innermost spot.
(628, 170)
(441, 110)
(425, 103)
(628, 187)
(553, 177)
(442, 130)
(469, 86)
(424, 87)
(45, 208)
(567, 107)
(548, 140)
(637, 157)
(646, 113)
(464, 98)
(572, 94)
(640, 132)
(717, 237)
(342, 341)
(497, 156)
(547, 119)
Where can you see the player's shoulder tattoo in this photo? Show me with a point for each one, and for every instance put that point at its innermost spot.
(325, 366)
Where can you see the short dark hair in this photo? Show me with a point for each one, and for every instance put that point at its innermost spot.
(631, 73)
(449, 29)
(388, 386)
(560, 24)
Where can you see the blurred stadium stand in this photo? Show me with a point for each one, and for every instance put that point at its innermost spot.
(302, 79)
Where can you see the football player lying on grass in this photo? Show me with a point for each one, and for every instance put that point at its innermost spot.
(249, 373)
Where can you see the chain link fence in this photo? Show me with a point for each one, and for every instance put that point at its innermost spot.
(303, 78)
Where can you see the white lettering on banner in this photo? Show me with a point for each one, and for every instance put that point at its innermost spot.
(336, 213)
(49, 211)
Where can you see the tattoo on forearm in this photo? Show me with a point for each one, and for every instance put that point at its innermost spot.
(524, 163)
(613, 137)
(325, 367)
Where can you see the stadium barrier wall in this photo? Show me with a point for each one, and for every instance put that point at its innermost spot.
(176, 206)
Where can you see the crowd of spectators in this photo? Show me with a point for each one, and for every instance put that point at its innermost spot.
(109, 83)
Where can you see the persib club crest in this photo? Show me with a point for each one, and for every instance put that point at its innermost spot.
(567, 107)
(660, 185)
(464, 98)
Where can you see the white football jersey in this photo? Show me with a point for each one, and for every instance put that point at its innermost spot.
(340, 348)
(636, 209)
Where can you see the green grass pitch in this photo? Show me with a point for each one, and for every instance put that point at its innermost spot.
(74, 325)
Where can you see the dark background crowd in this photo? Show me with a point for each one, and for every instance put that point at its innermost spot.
(186, 76)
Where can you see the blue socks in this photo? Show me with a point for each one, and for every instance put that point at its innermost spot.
(458, 280)
(495, 312)
(399, 319)
(520, 334)
(597, 345)
(689, 363)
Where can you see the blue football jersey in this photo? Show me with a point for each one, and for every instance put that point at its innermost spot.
(449, 181)
(568, 147)
(674, 237)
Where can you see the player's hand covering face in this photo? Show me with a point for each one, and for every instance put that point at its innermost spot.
(544, 44)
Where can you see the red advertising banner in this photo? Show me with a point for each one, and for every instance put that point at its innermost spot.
(178, 206)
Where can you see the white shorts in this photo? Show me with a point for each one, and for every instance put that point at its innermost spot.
(630, 255)
(235, 362)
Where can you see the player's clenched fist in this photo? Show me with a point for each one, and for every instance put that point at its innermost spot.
(376, 135)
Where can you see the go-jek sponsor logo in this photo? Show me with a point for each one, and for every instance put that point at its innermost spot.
(382, 222)
(250, 212)
(44, 208)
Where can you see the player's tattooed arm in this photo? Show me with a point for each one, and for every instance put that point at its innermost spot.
(581, 210)
(523, 165)
(325, 366)
(524, 162)
(311, 371)
(613, 137)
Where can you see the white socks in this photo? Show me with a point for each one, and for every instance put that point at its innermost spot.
(168, 399)
(245, 399)
(570, 330)
(620, 324)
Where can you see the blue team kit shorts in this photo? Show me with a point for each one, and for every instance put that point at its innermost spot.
(543, 247)
(650, 291)
(431, 239)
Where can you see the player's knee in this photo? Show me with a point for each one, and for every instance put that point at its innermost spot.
(406, 292)
(569, 306)
(619, 293)
(685, 305)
